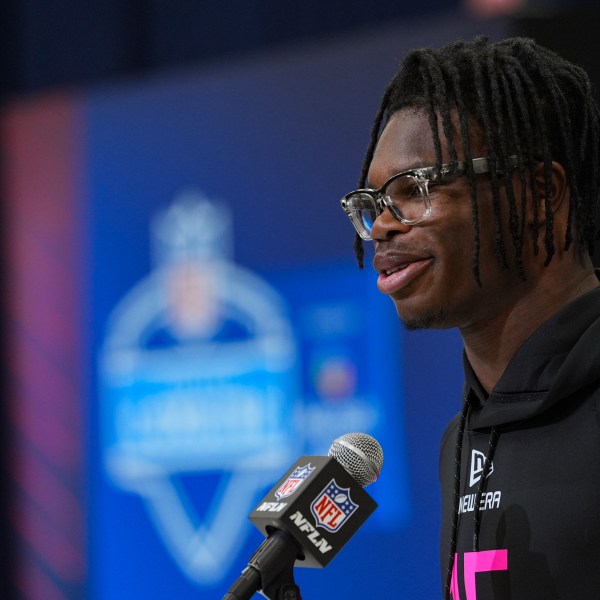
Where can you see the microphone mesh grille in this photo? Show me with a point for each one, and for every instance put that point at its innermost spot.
(360, 454)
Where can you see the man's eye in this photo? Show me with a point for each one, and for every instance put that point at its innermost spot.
(412, 194)
(404, 190)
(414, 191)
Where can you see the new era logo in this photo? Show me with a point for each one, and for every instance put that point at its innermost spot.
(477, 463)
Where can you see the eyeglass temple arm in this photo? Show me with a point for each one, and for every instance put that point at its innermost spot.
(481, 166)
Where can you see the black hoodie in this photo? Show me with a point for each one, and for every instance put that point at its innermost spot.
(530, 530)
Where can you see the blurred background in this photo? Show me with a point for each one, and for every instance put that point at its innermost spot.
(181, 313)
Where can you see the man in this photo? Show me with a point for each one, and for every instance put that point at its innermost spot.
(480, 193)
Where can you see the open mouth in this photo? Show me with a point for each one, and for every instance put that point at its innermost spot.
(401, 267)
(394, 278)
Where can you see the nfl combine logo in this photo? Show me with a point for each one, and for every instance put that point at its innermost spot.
(294, 481)
(333, 507)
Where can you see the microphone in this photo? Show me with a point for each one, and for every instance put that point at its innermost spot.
(309, 515)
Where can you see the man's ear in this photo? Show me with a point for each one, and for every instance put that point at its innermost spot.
(556, 198)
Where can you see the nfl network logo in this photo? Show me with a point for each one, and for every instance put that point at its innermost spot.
(333, 507)
(294, 481)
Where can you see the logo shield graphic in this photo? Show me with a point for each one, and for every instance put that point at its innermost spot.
(298, 476)
(196, 376)
(333, 507)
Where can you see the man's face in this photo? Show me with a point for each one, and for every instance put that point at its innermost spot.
(427, 268)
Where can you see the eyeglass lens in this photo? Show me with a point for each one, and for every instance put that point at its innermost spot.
(404, 196)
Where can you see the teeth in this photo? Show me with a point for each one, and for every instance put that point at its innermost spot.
(395, 269)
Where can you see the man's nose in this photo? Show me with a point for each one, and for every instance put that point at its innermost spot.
(386, 226)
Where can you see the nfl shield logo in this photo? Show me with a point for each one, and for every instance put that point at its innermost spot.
(293, 482)
(333, 507)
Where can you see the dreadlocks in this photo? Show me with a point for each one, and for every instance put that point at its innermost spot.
(529, 103)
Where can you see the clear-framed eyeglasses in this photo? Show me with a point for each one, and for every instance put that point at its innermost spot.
(406, 194)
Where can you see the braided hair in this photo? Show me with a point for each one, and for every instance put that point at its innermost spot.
(530, 103)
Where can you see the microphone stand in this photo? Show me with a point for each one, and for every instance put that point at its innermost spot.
(270, 570)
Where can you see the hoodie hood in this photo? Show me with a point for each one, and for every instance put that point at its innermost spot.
(552, 364)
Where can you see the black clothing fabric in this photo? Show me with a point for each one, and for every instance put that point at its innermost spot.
(536, 533)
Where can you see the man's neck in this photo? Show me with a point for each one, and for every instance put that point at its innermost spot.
(490, 346)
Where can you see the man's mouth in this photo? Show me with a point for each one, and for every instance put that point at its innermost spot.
(389, 272)
(398, 271)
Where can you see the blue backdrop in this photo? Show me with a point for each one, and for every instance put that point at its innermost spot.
(231, 331)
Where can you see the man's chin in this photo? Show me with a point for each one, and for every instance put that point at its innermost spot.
(426, 320)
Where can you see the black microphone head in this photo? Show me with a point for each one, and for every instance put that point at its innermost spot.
(360, 454)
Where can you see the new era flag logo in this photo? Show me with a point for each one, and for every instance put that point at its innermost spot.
(477, 464)
(294, 481)
(333, 507)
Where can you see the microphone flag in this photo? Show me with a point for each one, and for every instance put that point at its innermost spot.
(319, 504)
